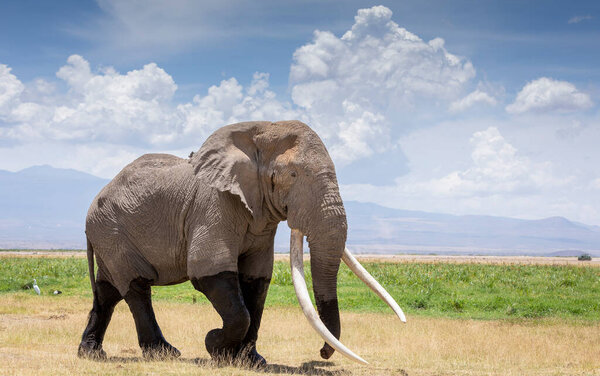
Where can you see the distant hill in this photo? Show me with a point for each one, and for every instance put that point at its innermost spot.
(377, 229)
(45, 207)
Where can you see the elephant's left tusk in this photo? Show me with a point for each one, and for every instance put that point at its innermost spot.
(368, 279)
(297, 264)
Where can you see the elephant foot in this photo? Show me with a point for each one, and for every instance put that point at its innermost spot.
(92, 351)
(227, 353)
(219, 351)
(249, 356)
(326, 351)
(160, 351)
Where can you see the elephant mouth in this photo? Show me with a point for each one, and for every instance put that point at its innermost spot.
(297, 266)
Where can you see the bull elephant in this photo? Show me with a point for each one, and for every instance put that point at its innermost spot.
(211, 219)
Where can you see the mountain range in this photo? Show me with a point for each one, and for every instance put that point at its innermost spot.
(44, 208)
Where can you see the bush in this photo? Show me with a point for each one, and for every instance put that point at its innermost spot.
(584, 257)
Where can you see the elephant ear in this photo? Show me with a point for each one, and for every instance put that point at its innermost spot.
(228, 161)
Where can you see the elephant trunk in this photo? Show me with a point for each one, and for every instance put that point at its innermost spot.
(326, 229)
(325, 255)
(296, 261)
(326, 232)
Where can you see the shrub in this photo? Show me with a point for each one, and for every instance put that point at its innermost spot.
(584, 257)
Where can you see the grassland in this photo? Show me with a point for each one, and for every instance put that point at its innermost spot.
(463, 319)
(467, 291)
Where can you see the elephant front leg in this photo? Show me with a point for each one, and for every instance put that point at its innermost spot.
(254, 291)
(255, 268)
(224, 292)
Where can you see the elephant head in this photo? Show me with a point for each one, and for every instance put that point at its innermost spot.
(282, 171)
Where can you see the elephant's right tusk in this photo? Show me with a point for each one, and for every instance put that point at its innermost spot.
(368, 279)
(297, 264)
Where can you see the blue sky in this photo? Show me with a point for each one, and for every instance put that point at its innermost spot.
(466, 107)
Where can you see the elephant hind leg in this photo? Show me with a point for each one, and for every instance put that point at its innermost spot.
(105, 300)
(223, 291)
(150, 337)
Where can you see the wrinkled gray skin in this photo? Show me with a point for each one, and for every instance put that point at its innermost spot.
(166, 220)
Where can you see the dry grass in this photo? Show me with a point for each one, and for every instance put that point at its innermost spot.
(488, 260)
(39, 335)
(400, 258)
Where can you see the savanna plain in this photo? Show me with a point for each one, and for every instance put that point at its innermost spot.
(464, 318)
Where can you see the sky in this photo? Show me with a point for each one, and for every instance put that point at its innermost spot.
(462, 107)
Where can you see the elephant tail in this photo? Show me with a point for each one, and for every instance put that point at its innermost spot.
(90, 257)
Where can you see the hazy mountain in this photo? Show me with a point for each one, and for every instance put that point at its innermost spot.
(45, 207)
(373, 228)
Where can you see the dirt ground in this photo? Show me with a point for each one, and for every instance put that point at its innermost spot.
(39, 336)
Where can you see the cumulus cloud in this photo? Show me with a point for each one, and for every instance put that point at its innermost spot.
(229, 103)
(496, 178)
(472, 99)
(127, 114)
(377, 61)
(549, 95)
(10, 90)
(134, 108)
(348, 86)
(578, 19)
(497, 169)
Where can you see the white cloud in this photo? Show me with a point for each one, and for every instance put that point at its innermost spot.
(578, 19)
(497, 169)
(359, 135)
(365, 91)
(105, 106)
(349, 89)
(134, 108)
(495, 179)
(230, 103)
(527, 171)
(549, 95)
(349, 86)
(10, 90)
(471, 100)
(378, 57)
(106, 119)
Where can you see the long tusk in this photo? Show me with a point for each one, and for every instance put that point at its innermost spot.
(367, 278)
(297, 264)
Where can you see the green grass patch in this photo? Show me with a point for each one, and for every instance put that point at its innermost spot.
(442, 290)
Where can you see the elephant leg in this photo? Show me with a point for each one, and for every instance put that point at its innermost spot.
(255, 271)
(150, 337)
(223, 291)
(105, 300)
(254, 291)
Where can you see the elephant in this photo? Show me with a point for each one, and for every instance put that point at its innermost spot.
(211, 219)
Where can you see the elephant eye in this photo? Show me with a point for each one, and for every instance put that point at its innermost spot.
(293, 174)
